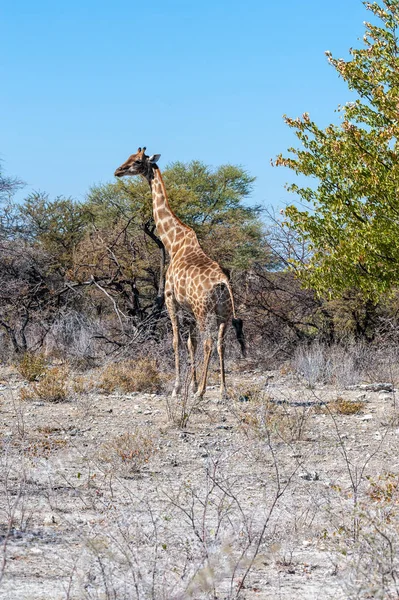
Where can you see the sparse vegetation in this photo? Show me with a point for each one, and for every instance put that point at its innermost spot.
(343, 406)
(263, 416)
(128, 452)
(52, 386)
(32, 366)
(140, 375)
(112, 488)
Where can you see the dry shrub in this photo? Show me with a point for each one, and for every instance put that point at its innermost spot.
(261, 416)
(342, 366)
(385, 490)
(132, 376)
(343, 406)
(32, 366)
(82, 385)
(52, 387)
(44, 446)
(128, 452)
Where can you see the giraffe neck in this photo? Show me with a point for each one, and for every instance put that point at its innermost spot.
(169, 227)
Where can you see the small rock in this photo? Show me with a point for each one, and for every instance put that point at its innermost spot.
(384, 396)
(361, 397)
(49, 520)
(367, 417)
(377, 387)
(309, 476)
(243, 399)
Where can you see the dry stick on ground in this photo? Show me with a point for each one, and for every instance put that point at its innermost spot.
(355, 473)
(8, 532)
(254, 542)
(281, 489)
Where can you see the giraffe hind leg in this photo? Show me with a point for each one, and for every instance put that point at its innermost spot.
(220, 348)
(208, 344)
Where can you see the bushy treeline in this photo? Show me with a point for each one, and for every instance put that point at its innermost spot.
(86, 279)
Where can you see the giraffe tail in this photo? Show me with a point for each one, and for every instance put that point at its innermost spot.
(237, 324)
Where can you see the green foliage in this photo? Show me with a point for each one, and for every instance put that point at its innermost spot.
(352, 223)
(56, 225)
(209, 201)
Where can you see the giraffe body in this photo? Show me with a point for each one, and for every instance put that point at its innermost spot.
(194, 282)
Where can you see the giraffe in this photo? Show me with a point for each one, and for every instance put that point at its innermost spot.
(194, 282)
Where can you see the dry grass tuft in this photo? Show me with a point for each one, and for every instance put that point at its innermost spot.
(52, 387)
(82, 385)
(261, 416)
(32, 366)
(128, 452)
(343, 406)
(132, 376)
(43, 447)
(385, 490)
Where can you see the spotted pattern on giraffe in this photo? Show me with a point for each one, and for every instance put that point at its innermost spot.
(193, 282)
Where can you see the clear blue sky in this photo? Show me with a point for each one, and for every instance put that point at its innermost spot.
(84, 82)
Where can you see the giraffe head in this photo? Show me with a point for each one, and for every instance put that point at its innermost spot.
(139, 164)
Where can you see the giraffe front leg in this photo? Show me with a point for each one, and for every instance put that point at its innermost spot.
(171, 307)
(208, 343)
(192, 347)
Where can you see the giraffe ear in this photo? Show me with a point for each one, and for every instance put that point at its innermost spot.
(154, 158)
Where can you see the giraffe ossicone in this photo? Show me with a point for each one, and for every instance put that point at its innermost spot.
(194, 281)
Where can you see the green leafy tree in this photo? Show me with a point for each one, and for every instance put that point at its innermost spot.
(352, 224)
(56, 226)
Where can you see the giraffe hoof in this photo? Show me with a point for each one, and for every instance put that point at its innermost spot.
(223, 398)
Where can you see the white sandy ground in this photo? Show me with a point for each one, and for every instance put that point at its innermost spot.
(77, 523)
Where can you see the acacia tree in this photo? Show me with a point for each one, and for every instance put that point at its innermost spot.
(8, 217)
(56, 226)
(352, 223)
